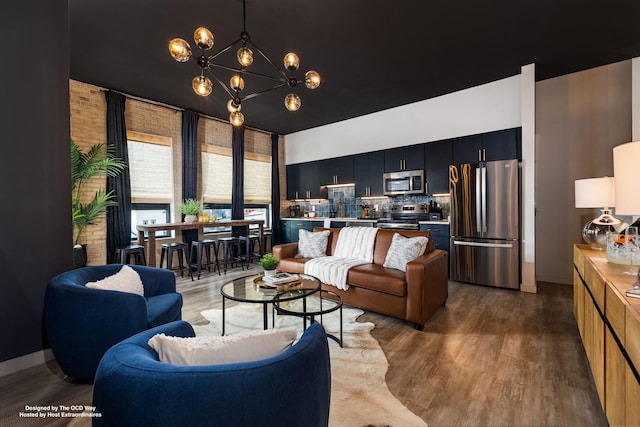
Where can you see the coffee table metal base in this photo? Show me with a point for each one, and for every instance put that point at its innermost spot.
(328, 302)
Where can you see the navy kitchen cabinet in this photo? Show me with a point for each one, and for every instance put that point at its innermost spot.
(499, 145)
(368, 170)
(303, 181)
(291, 228)
(437, 158)
(406, 158)
(338, 170)
(439, 234)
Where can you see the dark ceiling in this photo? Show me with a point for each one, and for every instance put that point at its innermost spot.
(371, 54)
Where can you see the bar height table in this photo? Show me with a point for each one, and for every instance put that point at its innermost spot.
(151, 229)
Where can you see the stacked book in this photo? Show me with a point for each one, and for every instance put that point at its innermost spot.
(279, 279)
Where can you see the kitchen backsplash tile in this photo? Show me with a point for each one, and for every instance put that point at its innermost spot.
(344, 198)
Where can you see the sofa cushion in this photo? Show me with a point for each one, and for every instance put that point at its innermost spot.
(213, 350)
(312, 245)
(378, 278)
(404, 249)
(125, 280)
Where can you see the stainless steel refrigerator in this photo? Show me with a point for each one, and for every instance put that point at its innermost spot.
(485, 223)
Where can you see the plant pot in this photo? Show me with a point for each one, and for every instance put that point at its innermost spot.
(190, 218)
(79, 256)
(269, 272)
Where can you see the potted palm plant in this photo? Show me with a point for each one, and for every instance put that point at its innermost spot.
(97, 161)
(191, 208)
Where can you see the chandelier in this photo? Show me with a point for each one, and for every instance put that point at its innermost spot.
(203, 86)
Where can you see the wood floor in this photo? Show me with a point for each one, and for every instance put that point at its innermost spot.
(490, 357)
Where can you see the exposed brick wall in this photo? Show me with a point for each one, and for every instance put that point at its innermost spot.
(88, 127)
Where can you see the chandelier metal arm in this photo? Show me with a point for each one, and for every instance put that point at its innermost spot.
(275, 67)
(247, 72)
(253, 95)
(221, 83)
(223, 50)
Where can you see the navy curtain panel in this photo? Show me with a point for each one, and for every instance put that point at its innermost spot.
(275, 191)
(237, 191)
(189, 164)
(118, 217)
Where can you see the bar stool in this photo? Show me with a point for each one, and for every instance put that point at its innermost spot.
(230, 246)
(197, 248)
(136, 250)
(268, 237)
(169, 249)
(249, 244)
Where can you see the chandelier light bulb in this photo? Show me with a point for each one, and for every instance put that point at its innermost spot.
(245, 56)
(236, 118)
(180, 50)
(202, 85)
(292, 102)
(203, 38)
(291, 61)
(232, 106)
(237, 83)
(312, 79)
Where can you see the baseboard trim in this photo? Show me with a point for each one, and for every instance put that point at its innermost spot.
(528, 287)
(24, 362)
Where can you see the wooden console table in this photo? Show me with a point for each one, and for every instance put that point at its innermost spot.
(609, 325)
(151, 229)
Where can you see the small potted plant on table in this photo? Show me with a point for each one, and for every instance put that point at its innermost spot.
(269, 262)
(191, 208)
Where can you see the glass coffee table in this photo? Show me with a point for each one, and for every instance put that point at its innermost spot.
(252, 289)
(308, 307)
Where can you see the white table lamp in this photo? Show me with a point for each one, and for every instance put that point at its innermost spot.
(597, 193)
(626, 171)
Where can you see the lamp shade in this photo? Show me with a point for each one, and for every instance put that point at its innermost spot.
(626, 170)
(595, 193)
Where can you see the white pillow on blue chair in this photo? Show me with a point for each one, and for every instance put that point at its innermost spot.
(216, 350)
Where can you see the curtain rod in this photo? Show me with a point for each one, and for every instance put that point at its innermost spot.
(177, 109)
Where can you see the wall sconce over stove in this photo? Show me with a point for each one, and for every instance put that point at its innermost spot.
(180, 50)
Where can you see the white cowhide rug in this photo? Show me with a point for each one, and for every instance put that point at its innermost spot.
(359, 394)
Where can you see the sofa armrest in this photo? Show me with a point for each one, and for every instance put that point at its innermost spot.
(285, 250)
(427, 285)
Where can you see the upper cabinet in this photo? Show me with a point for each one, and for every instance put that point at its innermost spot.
(368, 170)
(437, 158)
(338, 170)
(503, 144)
(406, 158)
(499, 145)
(303, 181)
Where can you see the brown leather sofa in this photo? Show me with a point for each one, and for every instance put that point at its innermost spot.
(414, 296)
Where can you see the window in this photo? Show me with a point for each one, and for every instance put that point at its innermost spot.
(222, 212)
(151, 172)
(150, 168)
(216, 174)
(150, 213)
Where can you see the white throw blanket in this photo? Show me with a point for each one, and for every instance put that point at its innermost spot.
(354, 247)
(356, 242)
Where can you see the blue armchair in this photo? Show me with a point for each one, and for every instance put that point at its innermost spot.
(83, 323)
(133, 388)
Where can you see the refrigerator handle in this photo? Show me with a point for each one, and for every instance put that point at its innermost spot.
(484, 199)
(478, 201)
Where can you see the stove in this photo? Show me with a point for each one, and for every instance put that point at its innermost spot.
(405, 217)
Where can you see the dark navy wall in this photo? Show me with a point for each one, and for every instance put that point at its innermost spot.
(35, 222)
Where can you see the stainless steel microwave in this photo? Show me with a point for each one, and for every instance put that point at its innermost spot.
(405, 182)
